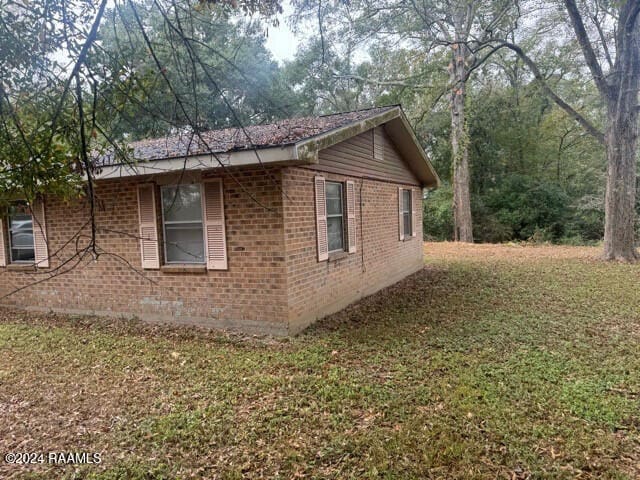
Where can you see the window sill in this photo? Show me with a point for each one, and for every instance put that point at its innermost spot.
(21, 267)
(183, 268)
(335, 256)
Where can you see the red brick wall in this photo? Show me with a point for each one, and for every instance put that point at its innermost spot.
(251, 295)
(317, 289)
(274, 283)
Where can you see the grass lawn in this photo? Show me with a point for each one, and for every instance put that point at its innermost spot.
(493, 362)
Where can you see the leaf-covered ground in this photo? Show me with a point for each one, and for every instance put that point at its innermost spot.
(493, 362)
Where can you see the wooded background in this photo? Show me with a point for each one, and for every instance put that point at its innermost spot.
(515, 102)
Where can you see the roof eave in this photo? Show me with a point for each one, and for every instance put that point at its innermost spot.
(285, 154)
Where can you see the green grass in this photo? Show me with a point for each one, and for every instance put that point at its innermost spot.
(494, 362)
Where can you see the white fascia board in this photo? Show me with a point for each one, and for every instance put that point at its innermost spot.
(263, 156)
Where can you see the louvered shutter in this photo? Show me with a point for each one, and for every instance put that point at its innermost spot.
(40, 244)
(351, 216)
(215, 236)
(416, 204)
(3, 248)
(321, 219)
(400, 218)
(149, 250)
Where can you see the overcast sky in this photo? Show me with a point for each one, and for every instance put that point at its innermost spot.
(281, 40)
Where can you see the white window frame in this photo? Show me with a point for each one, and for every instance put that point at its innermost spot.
(342, 215)
(407, 235)
(11, 247)
(164, 224)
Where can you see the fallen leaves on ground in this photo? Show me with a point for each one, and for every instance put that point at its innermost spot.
(494, 361)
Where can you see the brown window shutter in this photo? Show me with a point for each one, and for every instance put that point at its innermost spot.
(40, 243)
(400, 219)
(351, 216)
(149, 250)
(321, 219)
(215, 235)
(415, 205)
(3, 247)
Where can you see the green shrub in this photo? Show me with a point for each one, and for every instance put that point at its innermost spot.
(530, 208)
(486, 226)
(437, 218)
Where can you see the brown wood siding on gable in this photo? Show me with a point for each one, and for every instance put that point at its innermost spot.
(355, 157)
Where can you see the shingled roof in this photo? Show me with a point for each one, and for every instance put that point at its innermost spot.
(291, 141)
(281, 133)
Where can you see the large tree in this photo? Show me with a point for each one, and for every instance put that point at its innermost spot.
(77, 76)
(428, 29)
(615, 70)
(240, 72)
(537, 175)
(619, 91)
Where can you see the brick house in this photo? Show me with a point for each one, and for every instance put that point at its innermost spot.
(283, 224)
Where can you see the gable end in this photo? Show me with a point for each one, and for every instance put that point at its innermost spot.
(371, 154)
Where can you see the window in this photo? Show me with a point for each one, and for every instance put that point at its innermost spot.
(21, 243)
(182, 224)
(335, 216)
(406, 213)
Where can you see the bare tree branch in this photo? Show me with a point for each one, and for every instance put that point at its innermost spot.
(588, 126)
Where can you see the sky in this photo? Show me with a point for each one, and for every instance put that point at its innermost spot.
(280, 40)
(283, 44)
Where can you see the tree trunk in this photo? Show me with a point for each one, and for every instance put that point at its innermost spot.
(619, 91)
(621, 145)
(621, 139)
(463, 228)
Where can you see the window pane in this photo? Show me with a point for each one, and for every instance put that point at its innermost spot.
(407, 223)
(334, 198)
(333, 189)
(21, 233)
(335, 233)
(182, 203)
(184, 244)
(20, 210)
(23, 255)
(334, 206)
(20, 217)
(406, 200)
